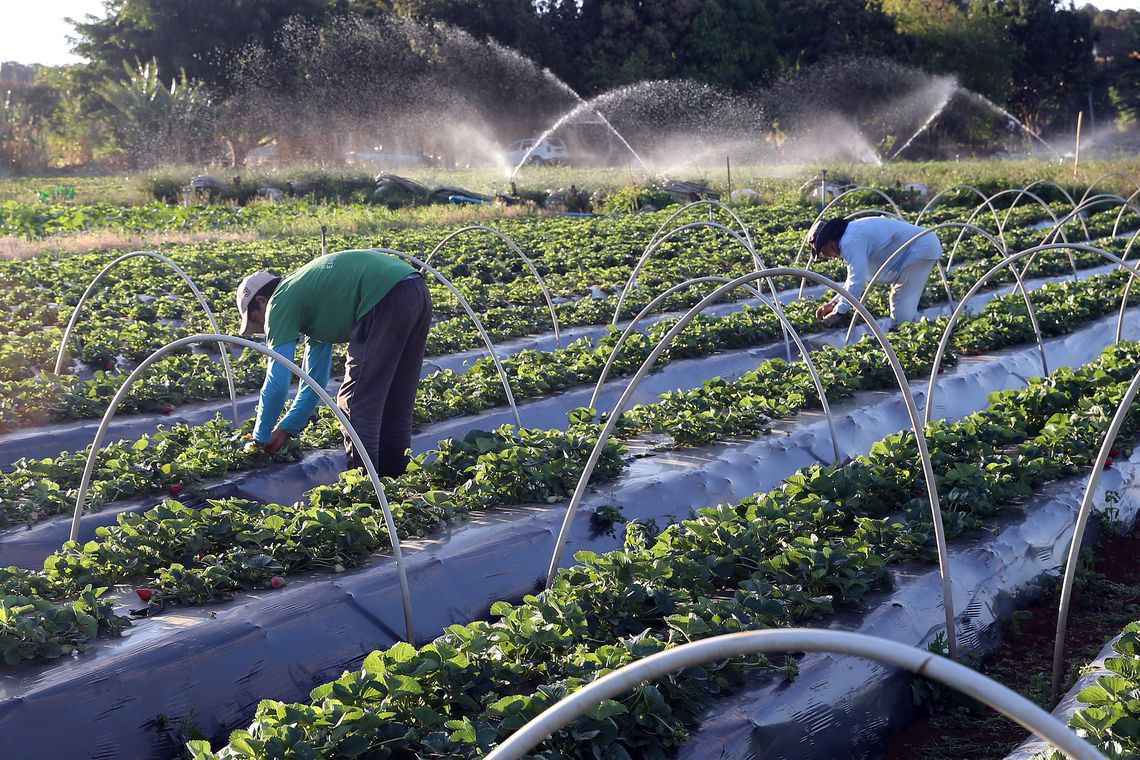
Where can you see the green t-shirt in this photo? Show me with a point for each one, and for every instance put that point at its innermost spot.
(323, 299)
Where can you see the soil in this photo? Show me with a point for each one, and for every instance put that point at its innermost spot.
(1106, 598)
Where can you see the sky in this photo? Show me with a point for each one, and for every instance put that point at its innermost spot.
(35, 31)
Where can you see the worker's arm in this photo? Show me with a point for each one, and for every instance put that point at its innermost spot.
(318, 363)
(857, 255)
(274, 391)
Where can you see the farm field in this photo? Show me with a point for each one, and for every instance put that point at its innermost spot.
(751, 482)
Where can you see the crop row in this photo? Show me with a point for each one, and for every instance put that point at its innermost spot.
(818, 544)
(189, 555)
(24, 402)
(1109, 716)
(184, 456)
(144, 305)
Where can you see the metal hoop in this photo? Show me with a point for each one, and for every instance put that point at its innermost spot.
(896, 368)
(784, 322)
(945, 340)
(920, 662)
(304, 377)
(1020, 286)
(1079, 530)
(713, 205)
(1127, 288)
(657, 242)
(514, 248)
(1064, 192)
(1041, 202)
(985, 201)
(1103, 177)
(1120, 214)
(470, 313)
(226, 366)
(1096, 200)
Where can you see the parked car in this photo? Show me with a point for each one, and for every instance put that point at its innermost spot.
(549, 151)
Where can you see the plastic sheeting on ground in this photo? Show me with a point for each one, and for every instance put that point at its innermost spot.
(208, 667)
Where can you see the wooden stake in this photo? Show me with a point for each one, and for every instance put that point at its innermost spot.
(1077, 151)
(728, 170)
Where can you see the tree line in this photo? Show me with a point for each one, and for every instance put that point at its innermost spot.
(170, 80)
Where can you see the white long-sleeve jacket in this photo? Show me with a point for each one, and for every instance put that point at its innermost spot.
(870, 241)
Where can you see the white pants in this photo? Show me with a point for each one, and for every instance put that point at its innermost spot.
(907, 290)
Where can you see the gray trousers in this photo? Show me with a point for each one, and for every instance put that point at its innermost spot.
(385, 356)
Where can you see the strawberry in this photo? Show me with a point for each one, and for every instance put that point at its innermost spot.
(145, 594)
(277, 582)
(1108, 463)
(166, 408)
(175, 489)
(1114, 453)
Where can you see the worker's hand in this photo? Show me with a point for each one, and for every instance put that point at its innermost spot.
(825, 311)
(277, 441)
(832, 319)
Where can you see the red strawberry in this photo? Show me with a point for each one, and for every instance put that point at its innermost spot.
(145, 594)
(1114, 453)
(166, 408)
(108, 364)
(175, 489)
(1108, 463)
(277, 582)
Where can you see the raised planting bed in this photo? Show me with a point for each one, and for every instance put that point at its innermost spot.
(673, 416)
(39, 488)
(454, 578)
(829, 541)
(1101, 705)
(29, 401)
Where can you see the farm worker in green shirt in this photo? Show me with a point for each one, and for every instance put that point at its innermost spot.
(380, 307)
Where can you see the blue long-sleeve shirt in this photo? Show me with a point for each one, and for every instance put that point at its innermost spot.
(275, 390)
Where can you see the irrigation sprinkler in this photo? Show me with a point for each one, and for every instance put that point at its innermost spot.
(1083, 513)
(659, 240)
(304, 377)
(944, 341)
(443, 280)
(787, 326)
(225, 355)
(985, 201)
(517, 251)
(917, 661)
(1018, 277)
(900, 378)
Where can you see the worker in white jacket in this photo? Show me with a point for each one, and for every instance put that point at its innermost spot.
(865, 244)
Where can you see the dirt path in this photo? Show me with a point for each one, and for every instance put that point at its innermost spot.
(1106, 598)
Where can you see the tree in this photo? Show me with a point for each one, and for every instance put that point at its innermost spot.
(946, 37)
(160, 123)
(1051, 51)
(196, 37)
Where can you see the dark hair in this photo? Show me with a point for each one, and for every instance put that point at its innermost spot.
(826, 232)
(267, 289)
